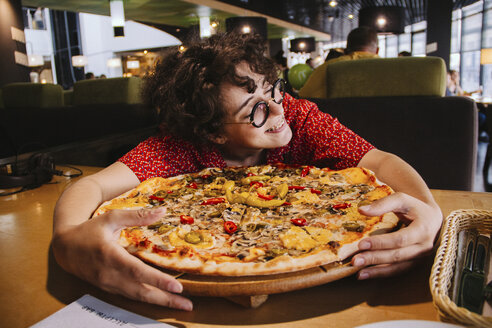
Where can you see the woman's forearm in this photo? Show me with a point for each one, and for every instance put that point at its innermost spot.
(398, 174)
(79, 201)
(77, 204)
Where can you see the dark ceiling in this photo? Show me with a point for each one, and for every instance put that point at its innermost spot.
(319, 15)
(285, 17)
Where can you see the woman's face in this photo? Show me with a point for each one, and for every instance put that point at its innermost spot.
(245, 138)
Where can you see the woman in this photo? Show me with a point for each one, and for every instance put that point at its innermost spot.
(220, 106)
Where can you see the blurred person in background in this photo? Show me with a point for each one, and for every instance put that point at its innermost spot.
(362, 43)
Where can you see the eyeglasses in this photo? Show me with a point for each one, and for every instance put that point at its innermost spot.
(261, 110)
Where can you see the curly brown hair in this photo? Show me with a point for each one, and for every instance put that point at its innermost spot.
(185, 87)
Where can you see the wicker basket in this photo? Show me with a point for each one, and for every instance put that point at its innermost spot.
(443, 268)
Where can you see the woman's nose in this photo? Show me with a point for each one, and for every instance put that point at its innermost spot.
(276, 109)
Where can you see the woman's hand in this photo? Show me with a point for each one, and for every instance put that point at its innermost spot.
(90, 251)
(389, 254)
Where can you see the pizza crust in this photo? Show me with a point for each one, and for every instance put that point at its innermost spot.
(281, 264)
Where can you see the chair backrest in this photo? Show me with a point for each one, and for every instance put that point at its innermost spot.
(380, 77)
(35, 95)
(123, 90)
(68, 97)
(436, 135)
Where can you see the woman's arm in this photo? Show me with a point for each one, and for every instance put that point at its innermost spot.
(79, 201)
(413, 203)
(89, 248)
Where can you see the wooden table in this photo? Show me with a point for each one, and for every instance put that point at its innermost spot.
(33, 286)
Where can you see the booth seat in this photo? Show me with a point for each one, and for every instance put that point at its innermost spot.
(397, 104)
(385, 77)
(34, 95)
(124, 90)
(68, 97)
(100, 110)
(436, 135)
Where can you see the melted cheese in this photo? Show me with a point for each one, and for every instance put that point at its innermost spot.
(297, 238)
(353, 175)
(379, 192)
(254, 253)
(351, 213)
(322, 236)
(176, 238)
(305, 196)
(122, 203)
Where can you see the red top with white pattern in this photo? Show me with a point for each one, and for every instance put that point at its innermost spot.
(317, 139)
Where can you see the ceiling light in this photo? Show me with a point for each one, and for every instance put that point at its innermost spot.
(247, 24)
(79, 61)
(35, 60)
(351, 16)
(381, 21)
(117, 17)
(132, 64)
(306, 45)
(214, 24)
(182, 48)
(205, 31)
(113, 62)
(333, 3)
(145, 52)
(384, 19)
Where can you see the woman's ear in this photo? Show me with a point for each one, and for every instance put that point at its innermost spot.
(217, 138)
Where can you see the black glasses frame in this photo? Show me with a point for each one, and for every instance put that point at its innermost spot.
(279, 82)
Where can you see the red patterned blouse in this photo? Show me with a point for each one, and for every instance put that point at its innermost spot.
(317, 139)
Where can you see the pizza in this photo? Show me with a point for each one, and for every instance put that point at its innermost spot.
(243, 221)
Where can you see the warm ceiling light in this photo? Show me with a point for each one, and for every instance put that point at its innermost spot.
(302, 45)
(182, 48)
(381, 21)
(178, 30)
(214, 24)
(333, 3)
(246, 29)
(35, 60)
(79, 61)
(351, 16)
(113, 62)
(145, 52)
(132, 64)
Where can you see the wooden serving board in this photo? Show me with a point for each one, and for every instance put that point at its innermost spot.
(252, 291)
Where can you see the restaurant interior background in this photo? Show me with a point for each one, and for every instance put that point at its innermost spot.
(48, 41)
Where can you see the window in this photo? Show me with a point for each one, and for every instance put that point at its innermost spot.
(470, 71)
(391, 46)
(454, 62)
(418, 44)
(34, 19)
(456, 33)
(471, 33)
(382, 45)
(405, 42)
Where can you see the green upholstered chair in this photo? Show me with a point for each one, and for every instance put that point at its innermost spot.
(382, 77)
(124, 90)
(68, 97)
(21, 95)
